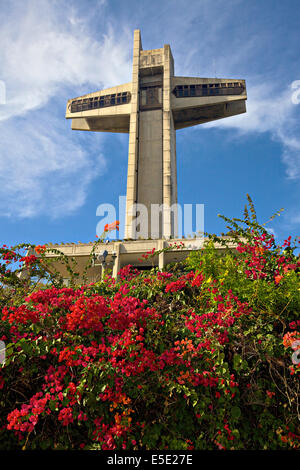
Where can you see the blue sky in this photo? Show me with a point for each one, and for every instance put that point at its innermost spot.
(52, 178)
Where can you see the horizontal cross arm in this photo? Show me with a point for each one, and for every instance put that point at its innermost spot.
(197, 100)
(103, 111)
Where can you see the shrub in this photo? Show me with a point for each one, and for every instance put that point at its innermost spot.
(204, 359)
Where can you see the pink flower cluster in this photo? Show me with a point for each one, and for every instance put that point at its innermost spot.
(26, 418)
(257, 257)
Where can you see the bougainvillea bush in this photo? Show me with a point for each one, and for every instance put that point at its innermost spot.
(200, 356)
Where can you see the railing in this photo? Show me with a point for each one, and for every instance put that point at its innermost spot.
(208, 89)
(97, 102)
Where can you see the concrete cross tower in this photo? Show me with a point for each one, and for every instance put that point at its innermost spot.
(151, 108)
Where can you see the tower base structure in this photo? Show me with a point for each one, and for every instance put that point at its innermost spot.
(122, 253)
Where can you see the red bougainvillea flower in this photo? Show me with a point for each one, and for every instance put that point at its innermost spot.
(87, 313)
(278, 279)
(28, 260)
(290, 337)
(40, 249)
(112, 226)
(90, 345)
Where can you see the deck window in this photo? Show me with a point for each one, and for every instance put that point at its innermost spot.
(97, 102)
(208, 89)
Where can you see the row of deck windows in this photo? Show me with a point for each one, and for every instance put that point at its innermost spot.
(206, 89)
(180, 91)
(100, 102)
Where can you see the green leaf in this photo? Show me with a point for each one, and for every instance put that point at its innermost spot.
(237, 361)
(52, 405)
(45, 444)
(236, 412)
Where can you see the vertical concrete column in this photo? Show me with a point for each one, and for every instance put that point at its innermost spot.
(117, 263)
(169, 191)
(133, 138)
(174, 218)
(161, 256)
(150, 169)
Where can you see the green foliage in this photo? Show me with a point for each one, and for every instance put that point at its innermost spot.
(197, 357)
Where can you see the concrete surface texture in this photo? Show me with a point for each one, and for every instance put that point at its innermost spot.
(123, 253)
(151, 108)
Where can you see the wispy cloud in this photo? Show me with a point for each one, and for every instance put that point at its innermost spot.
(232, 49)
(45, 59)
(43, 171)
(52, 50)
(46, 53)
(272, 111)
(234, 42)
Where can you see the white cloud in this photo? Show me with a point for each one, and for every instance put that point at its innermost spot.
(45, 53)
(224, 46)
(295, 218)
(272, 231)
(46, 56)
(270, 110)
(43, 172)
(49, 51)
